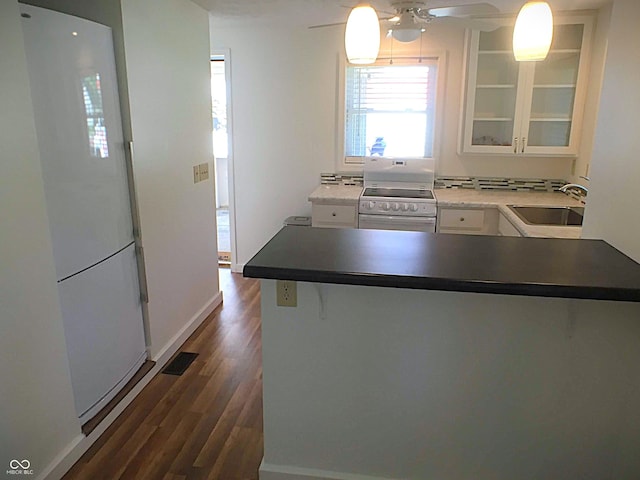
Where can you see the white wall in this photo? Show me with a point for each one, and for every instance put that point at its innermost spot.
(283, 136)
(37, 414)
(167, 61)
(613, 202)
(285, 111)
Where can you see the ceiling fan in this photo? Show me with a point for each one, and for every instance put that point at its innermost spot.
(411, 17)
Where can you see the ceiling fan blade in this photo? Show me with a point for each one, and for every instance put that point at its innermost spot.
(476, 9)
(473, 24)
(328, 25)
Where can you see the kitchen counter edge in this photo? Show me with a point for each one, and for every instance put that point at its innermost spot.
(293, 255)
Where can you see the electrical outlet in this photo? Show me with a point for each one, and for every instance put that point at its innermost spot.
(204, 171)
(287, 293)
(196, 174)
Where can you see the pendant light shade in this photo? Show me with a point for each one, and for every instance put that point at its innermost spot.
(533, 32)
(362, 35)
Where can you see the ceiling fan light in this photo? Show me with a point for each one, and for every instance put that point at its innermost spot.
(362, 35)
(406, 34)
(533, 32)
(406, 29)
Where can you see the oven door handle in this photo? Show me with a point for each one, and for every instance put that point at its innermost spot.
(405, 219)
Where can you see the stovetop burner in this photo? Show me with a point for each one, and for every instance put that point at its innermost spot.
(397, 193)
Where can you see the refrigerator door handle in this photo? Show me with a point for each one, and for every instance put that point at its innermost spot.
(137, 234)
(144, 292)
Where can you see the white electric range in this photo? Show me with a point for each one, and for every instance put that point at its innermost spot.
(398, 194)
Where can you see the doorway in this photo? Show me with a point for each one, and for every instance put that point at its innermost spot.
(222, 164)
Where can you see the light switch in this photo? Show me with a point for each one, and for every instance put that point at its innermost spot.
(196, 173)
(204, 171)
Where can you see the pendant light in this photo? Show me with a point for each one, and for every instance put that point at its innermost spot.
(362, 35)
(533, 32)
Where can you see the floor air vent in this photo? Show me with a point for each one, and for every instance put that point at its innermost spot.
(180, 363)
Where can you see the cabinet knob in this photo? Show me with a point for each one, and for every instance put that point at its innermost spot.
(462, 219)
(333, 214)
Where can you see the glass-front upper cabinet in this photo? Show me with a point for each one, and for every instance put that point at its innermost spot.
(526, 108)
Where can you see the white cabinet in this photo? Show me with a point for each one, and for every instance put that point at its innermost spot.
(467, 221)
(506, 228)
(526, 108)
(334, 216)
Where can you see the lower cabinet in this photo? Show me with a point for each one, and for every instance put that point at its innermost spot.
(468, 221)
(334, 216)
(464, 221)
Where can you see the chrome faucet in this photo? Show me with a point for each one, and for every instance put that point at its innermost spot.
(574, 186)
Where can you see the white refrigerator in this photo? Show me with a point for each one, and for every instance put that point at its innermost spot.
(75, 99)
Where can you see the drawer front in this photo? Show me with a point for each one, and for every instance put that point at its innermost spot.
(462, 219)
(334, 215)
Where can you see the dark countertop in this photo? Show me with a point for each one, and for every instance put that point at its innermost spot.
(545, 267)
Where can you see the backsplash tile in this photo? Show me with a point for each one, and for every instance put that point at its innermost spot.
(497, 183)
(340, 179)
(470, 183)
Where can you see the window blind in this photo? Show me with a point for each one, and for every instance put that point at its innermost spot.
(390, 110)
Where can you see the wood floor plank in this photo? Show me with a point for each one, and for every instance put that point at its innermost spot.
(206, 423)
(215, 443)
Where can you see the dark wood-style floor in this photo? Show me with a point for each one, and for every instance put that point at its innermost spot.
(205, 424)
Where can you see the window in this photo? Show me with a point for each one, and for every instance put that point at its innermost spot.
(390, 109)
(219, 107)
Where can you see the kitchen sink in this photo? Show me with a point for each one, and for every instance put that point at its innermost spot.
(556, 216)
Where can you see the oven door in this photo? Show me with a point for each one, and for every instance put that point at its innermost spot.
(395, 222)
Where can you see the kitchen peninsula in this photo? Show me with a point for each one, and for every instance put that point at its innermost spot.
(414, 355)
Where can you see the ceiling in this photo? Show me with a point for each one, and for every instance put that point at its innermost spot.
(304, 13)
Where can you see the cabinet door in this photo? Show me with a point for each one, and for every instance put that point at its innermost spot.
(552, 111)
(494, 85)
(530, 108)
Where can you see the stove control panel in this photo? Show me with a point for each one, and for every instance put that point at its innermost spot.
(383, 207)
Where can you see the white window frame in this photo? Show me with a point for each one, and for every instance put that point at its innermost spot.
(346, 164)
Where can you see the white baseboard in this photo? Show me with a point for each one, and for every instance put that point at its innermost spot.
(166, 352)
(284, 472)
(65, 459)
(80, 444)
